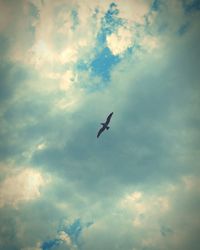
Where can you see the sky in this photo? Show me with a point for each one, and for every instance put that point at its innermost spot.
(64, 66)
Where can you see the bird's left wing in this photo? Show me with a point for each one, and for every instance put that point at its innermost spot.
(109, 117)
(100, 131)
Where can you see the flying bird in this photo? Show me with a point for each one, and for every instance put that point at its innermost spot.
(105, 125)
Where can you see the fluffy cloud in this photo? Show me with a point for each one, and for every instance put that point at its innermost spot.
(148, 219)
(119, 42)
(21, 187)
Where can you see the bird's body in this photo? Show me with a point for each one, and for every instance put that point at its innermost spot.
(105, 125)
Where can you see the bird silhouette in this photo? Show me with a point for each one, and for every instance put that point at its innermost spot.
(105, 125)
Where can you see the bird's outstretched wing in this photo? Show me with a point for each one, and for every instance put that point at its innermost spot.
(109, 117)
(100, 131)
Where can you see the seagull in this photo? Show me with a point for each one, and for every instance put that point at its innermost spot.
(105, 125)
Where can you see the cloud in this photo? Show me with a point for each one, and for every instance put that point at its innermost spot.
(149, 43)
(4, 46)
(149, 107)
(4, 21)
(153, 227)
(37, 247)
(191, 6)
(60, 77)
(133, 11)
(21, 187)
(68, 234)
(119, 42)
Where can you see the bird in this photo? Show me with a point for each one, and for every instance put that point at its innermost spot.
(105, 125)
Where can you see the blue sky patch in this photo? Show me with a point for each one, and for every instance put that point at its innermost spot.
(109, 23)
(50, 244)
(103, 63)
(74, 230)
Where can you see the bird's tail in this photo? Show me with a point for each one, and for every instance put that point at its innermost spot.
(107, 127)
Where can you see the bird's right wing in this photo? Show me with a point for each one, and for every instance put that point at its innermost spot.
(109, 117)
(100, 131)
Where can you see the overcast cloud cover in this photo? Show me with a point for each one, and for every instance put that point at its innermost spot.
(64, 66)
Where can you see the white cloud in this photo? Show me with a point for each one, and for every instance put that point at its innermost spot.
(149, 43)
(144, 216)
(65, 238)
(41, 146)
(134, 196)
(66, 104)
(120, 41)
(133, 11)
(148, 205)
(40, 54)
(67, 79)
(22, 186)
(191, 182)
(68, 55)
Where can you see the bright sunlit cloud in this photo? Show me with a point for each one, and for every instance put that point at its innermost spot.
(120, 41)
(21, 187)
